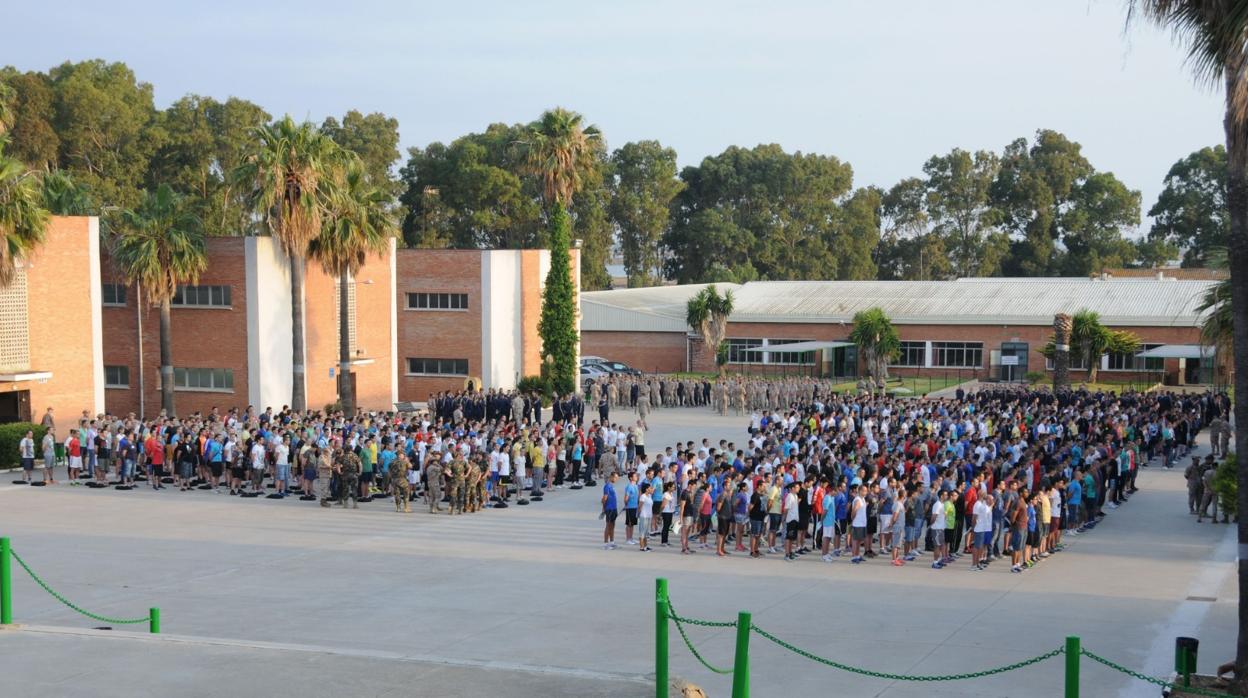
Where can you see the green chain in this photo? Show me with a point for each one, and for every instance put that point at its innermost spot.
(905, 677)
(702, 623)
(1158, 682)
(62, 599)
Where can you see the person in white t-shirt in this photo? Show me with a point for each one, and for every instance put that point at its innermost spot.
(858, 523)
(937, 527)
(983, 531)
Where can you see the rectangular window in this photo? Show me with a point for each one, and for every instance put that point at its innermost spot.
(221, 379)
(1077, 363)
(114, 294)
(116, 376)
(202, 296)
(1131, 362)
(958, 354)
(437, 367)
(437, 301)
(911, 354)
(739, 351)
(804, 358)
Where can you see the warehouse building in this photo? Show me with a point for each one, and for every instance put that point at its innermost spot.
(989, 328)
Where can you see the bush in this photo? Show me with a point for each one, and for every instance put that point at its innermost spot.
(539, 384)
(1034, 377)
(1226, 484)
(10, 436)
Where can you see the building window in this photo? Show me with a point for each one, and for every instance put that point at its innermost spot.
(352, 343)
(221, 379)
(804, 358)
(437, 301)
(437, 367)
(202, 296)
(116, 376)
(739, 351)
(910, 355)
(958, 354)
(1131, 362)
(114, 294)
(1077, 362)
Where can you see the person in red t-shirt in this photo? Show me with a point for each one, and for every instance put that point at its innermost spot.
(73, 448)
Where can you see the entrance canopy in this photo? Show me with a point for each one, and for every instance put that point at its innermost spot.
(1178, 351)
(798, 347)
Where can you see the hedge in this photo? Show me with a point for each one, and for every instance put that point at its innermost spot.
(10, 436)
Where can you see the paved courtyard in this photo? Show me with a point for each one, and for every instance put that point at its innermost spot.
(284, 597)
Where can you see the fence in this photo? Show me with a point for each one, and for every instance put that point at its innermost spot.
(1072, 650)
(6, 594)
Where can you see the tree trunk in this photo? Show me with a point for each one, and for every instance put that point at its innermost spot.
(298, 385)
(1061, 354)
(166, 360)
(346, 396)
(1237, 254)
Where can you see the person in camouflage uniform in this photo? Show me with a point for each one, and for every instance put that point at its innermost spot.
(483, 474)
(472, 483)
(399, 484)
(348, 466)
(433, 485)
(458, 477)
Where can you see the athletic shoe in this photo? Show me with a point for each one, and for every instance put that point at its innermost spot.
(630, 541)
(937, 565)
(897, 562)
(836, 553)
(1044, 554)
(856, 560)
(1016, 569)
(826, 558)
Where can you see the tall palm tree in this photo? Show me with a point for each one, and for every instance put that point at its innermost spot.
(65, 197)
(23, 217)
(289, 173)
(160, 245)
(877, 341)
(707, 312)
(560, 149)
(359, 222)
(1090, 340)
(1215, 34)
(1063, 325)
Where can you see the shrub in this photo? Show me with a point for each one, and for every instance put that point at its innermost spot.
(10, 436)
(1226, 484)
(540, 384)
(1034, 377)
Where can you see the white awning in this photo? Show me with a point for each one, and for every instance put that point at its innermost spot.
(1179, 351)
(798, 347)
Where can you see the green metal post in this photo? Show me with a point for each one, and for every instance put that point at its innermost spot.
(153, 621)
(741, 660)
(6, 584)
(660, 638)
(1073, 650)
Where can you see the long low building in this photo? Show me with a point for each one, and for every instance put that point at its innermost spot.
(986, 328)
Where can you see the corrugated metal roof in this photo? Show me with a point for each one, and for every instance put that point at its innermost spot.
(1009, 301)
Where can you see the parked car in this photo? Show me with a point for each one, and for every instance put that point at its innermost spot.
(591, 373)
(617, 367)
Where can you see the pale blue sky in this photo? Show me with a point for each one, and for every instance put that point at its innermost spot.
(881, 85)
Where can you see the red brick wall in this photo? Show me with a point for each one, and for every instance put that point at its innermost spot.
(652, 352)
(202, 337)
(445, 334)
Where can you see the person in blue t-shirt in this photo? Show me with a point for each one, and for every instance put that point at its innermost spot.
(610, 511)
(631, 497)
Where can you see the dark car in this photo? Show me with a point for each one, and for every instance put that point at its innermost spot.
(616, 367)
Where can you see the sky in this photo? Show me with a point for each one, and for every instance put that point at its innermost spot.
(883, 86)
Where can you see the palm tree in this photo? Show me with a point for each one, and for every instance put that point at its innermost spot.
(877, 341)
(1090, 340)
(1062, 328)
(707, 313)
(289, 174)
(359, 222)
(160, 245)
(23, 217)
(559, 149)
(1214, 33)
(65, 197)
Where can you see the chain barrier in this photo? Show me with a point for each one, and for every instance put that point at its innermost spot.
(1155, 681)
(700, 623)
(62, 599)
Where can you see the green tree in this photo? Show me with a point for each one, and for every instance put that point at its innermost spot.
(62, 196)
(375, 139)
(591, 222)
(959, 205)
(289, 172)
(1191, 213)
(8, 107)
(877, 341)
(158, 246)
(642, 190)
(557, 326)
(707, 312)
(909, 249)
(1092, 228)
(1090, 340)
(358, 222)
(33, 138)
(23, 218)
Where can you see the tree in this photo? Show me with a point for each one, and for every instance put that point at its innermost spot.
(960, 208)
(1214, 35)
(8, 96)
(23, 218)
(62, 196)
(375, 139)
(289, 173)
(1063, 326)
(1191, 212)
(909, 249)
(1090, 340)
(159, 246)
(707, 312)
(877, 341)
(33, 138)
(557, 326)
(642, 189)
(358, 223)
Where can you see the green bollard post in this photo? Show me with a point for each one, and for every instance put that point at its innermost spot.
(741, 660)
(660, 637)
(153, 621)
(6, 584)
(1073, 651)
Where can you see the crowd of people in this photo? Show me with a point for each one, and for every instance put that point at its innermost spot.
(1006, 471)
(730, 394)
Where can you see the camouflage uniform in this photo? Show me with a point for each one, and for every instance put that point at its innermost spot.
(473, 481)
(433, 491)
(399, 485)
(348, 478)
(458, 473)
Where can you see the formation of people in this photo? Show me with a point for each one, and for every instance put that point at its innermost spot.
(1000, 472)
(728, 395)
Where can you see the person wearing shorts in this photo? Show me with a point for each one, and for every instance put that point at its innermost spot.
(26, 449)
(610, 510)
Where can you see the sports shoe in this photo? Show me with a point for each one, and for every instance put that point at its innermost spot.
(856, 560)
(1016, 569)
(826, 558)
(630, 541)
(897, 562)
(937, 565)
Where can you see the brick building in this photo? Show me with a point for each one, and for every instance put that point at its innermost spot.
(975, 328)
